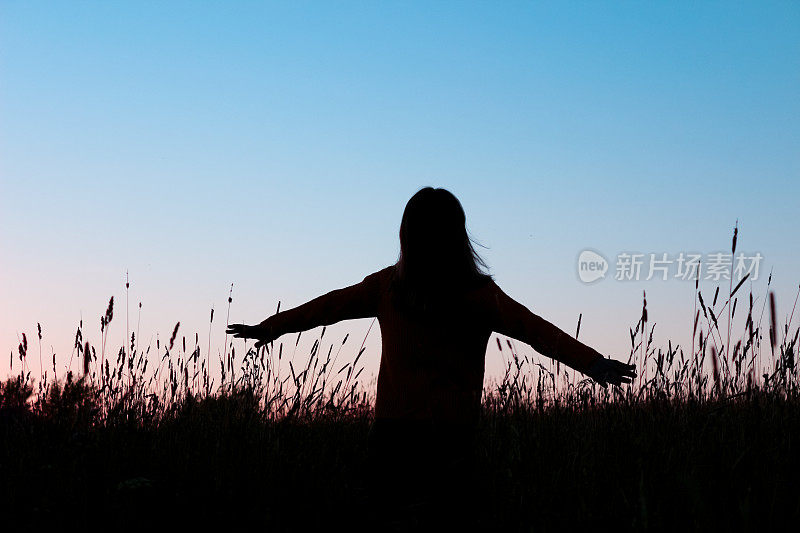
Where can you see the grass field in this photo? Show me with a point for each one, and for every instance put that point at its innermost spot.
(701, 440)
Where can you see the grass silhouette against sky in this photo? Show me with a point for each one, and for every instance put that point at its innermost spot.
(274, 146)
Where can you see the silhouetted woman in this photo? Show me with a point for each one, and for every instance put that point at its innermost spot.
(437, 310)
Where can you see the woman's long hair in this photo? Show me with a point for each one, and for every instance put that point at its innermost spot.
(437, 260)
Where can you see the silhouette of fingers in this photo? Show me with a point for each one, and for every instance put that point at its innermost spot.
(241, 331)
(621, 373)
(602, 378)
(610, 371)
(624, 369)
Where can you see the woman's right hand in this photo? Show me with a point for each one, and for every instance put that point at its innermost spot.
(263, 332)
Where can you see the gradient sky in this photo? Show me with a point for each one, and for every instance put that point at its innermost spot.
(274, 146)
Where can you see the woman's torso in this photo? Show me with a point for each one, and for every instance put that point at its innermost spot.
(432, 368)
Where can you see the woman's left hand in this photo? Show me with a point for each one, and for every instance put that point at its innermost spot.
(605, 371)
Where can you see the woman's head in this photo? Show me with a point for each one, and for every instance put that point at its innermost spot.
(435, 249)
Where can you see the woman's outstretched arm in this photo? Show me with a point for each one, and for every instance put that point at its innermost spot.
(356, 301)
(513, 319)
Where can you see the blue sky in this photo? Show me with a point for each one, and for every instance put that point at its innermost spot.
(274, 146)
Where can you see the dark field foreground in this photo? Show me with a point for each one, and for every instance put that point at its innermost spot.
(660, 464)
(706, 438)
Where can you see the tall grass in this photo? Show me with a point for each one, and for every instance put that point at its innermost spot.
(707, 432)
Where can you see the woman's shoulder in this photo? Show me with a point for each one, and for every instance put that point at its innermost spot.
(385, 273)
(486, 289)
(485, 281)
(381, 278)
(388, 278)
